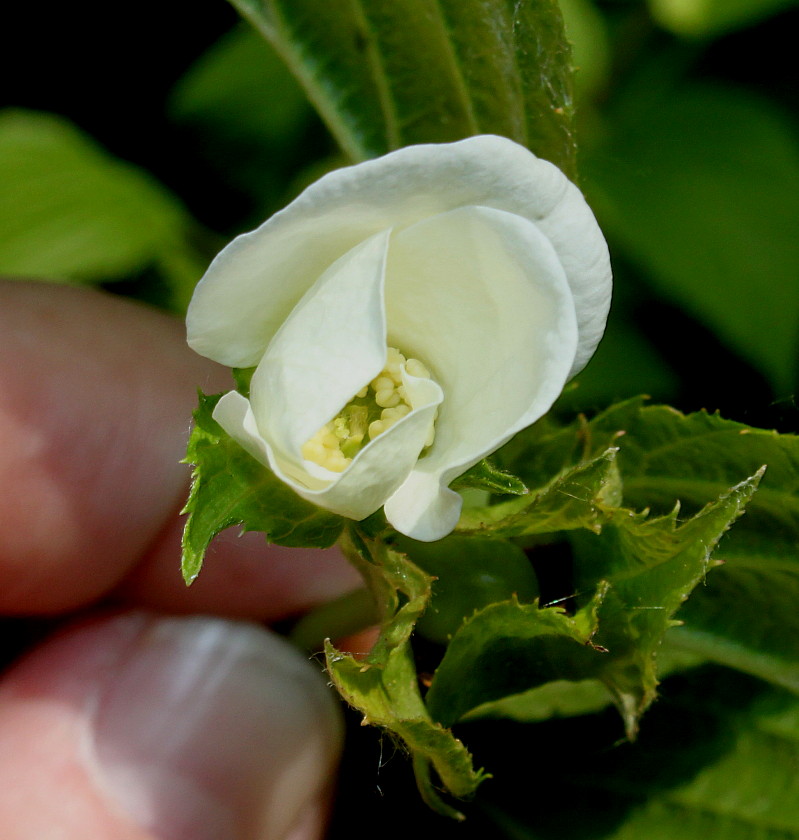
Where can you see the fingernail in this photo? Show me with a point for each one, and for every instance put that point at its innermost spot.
(207, 729)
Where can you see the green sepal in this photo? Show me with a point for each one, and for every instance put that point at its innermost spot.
(242, 377)
(384, 685)
(229, 487)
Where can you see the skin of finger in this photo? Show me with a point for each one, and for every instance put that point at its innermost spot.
(96, 396)
(242, 577)
(47, 704)
(41, 726)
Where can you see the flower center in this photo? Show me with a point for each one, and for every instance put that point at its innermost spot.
(375, 408)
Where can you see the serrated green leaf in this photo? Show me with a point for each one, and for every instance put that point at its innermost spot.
(641, 570)
(229, 487)
(384, 685)
(507, 648)
(652, 566)
(470, 573)
(565, 698)
(484, 475)
(389, 73)
(744, 614)
(71, 212)
(574, 499)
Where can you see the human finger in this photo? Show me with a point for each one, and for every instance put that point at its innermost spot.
(96, 395)
(137, 727)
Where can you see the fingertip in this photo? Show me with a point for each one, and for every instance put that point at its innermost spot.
(96, 395)
(139, 726)
(242, 577)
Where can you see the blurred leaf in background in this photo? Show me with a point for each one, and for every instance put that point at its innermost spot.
(249, 118)
(695, 181)
(70, 212)
(703, 18)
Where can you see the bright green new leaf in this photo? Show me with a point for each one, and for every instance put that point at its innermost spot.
(71, 212)
(384, 685)
(484, 475)
(390, 73)
(229, 487)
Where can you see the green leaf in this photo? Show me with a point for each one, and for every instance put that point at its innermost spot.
(566, 698)
(389, 73)
(509, 647)
(571, 500)
(746, 617)
(470, 573)
(639, 569)
(484, 475)
(703, 18)
(652, 566)
(71, 212)
(384, 685)
(717, 759)
(229, 487)
(247, 114)
(744, 614)
(699, 185)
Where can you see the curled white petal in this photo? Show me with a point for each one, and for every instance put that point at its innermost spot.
(475, 257)
(332, 343)
(375, 473)
(481, 292)
(254, 283)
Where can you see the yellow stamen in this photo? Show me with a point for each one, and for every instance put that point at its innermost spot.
(373, 410)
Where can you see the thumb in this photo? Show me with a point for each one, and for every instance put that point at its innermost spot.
(139, 727)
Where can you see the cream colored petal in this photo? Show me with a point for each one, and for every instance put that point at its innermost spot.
(234, 414)
(422, 509)
(330, 346)
(375, 473)
(254, 283)
(379, 469)
(480, 296)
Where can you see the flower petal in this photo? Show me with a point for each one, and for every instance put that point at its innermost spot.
(253, 284)
(330, 346)
(480, 295)
(375, 473)
(234, 414)
(422, 509)
(379, 469)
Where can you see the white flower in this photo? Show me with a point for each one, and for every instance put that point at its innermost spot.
(475, 258)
